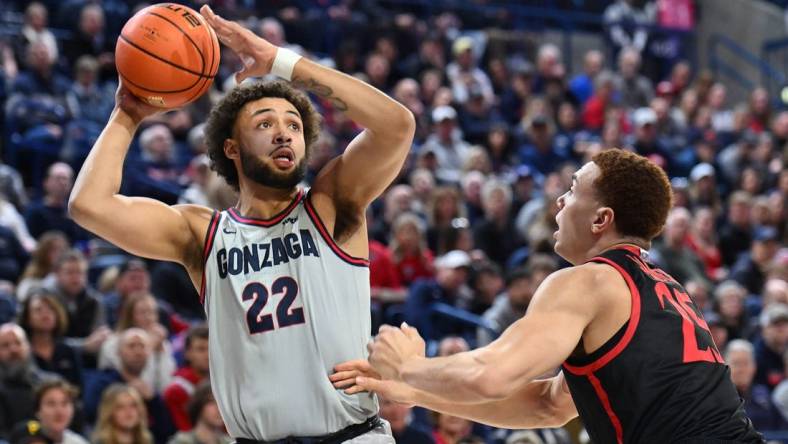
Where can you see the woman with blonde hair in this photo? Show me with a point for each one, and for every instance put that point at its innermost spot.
(42, 262)
(141, 310)
(122, 417)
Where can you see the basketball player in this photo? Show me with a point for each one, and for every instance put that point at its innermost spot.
(638, 361)
(283, 275)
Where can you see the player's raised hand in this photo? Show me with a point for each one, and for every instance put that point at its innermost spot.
(256, 53)
(392, 347)
(133, 105)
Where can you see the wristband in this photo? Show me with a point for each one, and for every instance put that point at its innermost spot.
(284, 62)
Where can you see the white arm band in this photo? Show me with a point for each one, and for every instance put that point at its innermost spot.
(284, 63)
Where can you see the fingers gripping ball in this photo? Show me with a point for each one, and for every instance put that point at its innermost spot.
(167, 55)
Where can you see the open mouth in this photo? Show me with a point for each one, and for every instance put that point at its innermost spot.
(283, 157)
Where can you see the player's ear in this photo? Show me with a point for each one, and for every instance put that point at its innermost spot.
(603, 220)
(231, 149)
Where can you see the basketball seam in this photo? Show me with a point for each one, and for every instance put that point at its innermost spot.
(185, 34)
(174, 65)
(213, 56)
(158, 91)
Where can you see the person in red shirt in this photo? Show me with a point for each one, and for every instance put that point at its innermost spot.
(384, 281)
(412, 258)
(178, 394)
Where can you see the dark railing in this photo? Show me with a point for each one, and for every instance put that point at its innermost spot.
(723, 48)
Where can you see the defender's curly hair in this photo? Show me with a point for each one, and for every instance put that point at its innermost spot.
(636, 189)
(219, 126)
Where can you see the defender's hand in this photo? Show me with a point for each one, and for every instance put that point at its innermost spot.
(256, 53)
(393, 347)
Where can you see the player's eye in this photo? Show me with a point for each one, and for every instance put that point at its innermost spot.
(295, 126)
(264, 124)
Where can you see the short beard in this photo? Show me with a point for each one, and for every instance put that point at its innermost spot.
(259, 172)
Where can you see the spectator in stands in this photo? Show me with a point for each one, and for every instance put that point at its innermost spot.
(771, 345)
(36, 115)
(702, 239)
(645, 141)
(178, 394)
(397, 200)
(729, 299)
(134, 349)
(549, 67)
(86, 327)
(699, 291)
(13, 256)
(740, 357)
(155, 174)
(140, 310)
(122, 417)
(208, 424)
(51, 212)
(45, 322)
(703, 188)
(582, 85)
(20, 376)
(91, 38)
(39, 271)
(775, 291)
(735, 234)
(497, 223)
(672, 253)
(412, 259)
(750, 270)
(133, 277)
(449, 429)
(511, 305)
(540, 151)
(444, 206)
(465, 76)
(595, 108)
(448, 287)
(636, 90)
(55, 406)
(447, 144)
(486, 282)
(399, 418)
(35, 30)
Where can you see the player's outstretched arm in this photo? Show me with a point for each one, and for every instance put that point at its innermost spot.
(141, 226)
(536, 344)
(541, 403)
(374, 158)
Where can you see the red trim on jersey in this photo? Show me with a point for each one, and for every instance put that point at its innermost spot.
(634, 319)
(602, 394)
(210, 235)
(330, 240)
(270, 221)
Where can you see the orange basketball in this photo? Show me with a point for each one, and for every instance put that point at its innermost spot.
(167, 55)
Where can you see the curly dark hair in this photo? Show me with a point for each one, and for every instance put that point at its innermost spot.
(220, 123)
(636, 189)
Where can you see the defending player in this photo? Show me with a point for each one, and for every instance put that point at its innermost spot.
(283, 274)
(639, 363)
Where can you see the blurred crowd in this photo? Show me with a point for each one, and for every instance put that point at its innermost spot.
(100, 346)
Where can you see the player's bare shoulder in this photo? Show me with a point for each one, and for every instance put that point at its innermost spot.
(198, 219)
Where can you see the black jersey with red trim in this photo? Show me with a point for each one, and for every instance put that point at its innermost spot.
(660, 378)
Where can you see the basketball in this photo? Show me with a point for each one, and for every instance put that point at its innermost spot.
(167, 55)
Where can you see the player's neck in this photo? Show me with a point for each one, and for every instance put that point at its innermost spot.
(261, 202)
(608, 244)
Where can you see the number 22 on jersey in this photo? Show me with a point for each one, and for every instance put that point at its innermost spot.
(285, 314)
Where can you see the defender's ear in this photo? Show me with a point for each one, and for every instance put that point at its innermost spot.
(603, 220)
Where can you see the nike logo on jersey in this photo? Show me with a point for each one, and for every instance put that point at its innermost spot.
(229, 230)
(255, 257)
(290, 220)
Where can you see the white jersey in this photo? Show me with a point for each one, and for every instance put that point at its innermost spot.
(285, 304)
